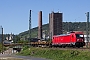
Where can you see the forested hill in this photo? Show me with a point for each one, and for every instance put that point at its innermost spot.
(67, 26)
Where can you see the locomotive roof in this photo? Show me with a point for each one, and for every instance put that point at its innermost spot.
(67, 34)
(61, 35)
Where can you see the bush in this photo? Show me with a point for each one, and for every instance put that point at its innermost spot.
(25, 47)
(1, 48)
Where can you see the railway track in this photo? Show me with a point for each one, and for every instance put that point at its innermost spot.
(44, 46)
(72, 48)
(68, 48)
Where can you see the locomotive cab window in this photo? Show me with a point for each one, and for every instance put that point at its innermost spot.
(79, 35)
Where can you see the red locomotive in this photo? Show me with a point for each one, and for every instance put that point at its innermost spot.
(73, 39)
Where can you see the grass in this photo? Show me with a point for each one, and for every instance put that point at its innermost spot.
(1, 48)
(57, 54)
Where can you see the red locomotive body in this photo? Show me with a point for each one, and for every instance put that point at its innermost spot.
(71, 39)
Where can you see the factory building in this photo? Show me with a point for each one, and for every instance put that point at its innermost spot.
(55, 24)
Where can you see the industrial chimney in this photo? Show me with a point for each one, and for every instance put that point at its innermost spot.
(40, 25)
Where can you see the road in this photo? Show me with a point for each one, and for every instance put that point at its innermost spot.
(9, 54)
(13, 57)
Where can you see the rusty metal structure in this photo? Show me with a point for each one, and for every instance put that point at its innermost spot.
(40, 26)
(55, 24)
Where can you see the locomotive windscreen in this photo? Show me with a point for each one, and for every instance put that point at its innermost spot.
(79, 35)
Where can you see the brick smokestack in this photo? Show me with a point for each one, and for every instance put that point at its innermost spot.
(40, 26)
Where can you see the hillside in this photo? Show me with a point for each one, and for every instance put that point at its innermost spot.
(67, 26)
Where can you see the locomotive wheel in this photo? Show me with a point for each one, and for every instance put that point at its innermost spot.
(63, 46)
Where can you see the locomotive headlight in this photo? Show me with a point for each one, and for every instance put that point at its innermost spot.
(77, 39)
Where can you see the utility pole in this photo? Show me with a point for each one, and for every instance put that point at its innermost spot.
(30, 27)
(2, 39)
(87, 28)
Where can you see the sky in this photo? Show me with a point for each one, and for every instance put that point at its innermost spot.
(14, 14)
